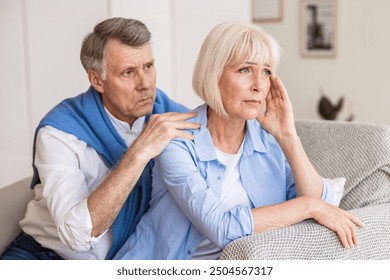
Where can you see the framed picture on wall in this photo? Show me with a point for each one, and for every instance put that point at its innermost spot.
(267, 10)
(318, 28)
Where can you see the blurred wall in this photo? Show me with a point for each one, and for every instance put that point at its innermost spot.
(41, 39)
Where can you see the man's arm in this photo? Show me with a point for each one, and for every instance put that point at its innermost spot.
(108, 198)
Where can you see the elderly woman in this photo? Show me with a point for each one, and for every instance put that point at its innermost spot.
(246, 171)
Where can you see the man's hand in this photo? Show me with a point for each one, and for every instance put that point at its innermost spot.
(278, 119)
(160, 130)
(106, 201)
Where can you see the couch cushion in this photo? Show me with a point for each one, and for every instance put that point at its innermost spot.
(360, 152)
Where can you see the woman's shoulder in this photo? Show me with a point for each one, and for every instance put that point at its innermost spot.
(201, 114)
(257, 130)
(200, 118)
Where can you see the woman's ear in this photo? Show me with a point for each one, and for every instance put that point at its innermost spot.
(95, 80)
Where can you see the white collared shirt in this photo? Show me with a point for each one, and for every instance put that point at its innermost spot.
(70, 170)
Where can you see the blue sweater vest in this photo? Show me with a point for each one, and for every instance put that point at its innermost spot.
(85, 117)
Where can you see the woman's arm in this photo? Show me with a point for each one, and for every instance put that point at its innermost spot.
(305, 207)
(195, 184)
(279, 122)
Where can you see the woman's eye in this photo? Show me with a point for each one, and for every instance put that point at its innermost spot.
(266, 73)
(244, 70)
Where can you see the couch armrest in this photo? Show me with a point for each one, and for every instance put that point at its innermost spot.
(13, 202)
(308, 240)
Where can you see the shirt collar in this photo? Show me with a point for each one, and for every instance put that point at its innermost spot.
(255, 137)
(124, 127)
(204, 144)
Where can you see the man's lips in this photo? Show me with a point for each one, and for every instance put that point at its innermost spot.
(145, 100)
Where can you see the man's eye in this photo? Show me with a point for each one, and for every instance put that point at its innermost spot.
(266, 73)
(128, 73)
(148, 66)
(244, 70)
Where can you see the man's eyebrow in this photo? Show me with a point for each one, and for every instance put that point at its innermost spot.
(135, 66)
(149, 62)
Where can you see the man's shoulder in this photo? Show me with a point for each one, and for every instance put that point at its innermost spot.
(164, 104)
(52, 132)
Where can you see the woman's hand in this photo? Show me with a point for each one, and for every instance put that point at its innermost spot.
(305, 207)
(278, 119)
(339, 221)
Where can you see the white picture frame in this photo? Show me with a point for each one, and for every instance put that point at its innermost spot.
(267, 10)
(318, 28)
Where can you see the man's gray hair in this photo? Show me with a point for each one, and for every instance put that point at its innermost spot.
(128, 31)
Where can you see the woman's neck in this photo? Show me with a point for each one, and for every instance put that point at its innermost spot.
(227, 134)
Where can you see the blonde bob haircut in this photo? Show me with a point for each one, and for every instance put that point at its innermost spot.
(229, 44)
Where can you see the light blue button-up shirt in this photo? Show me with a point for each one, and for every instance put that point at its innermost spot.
(186, 207)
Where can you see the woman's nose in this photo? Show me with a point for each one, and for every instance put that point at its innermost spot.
(259, 83)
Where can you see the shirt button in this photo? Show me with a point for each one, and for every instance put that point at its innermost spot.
(219, 178)
(188, 252)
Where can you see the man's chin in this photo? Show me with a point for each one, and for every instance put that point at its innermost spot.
(146, 109)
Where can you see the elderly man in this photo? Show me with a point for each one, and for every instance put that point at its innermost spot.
(93, 154)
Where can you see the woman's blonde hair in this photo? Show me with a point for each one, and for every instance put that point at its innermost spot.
(228, 44)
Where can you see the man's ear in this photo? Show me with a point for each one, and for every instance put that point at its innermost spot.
(95, 80)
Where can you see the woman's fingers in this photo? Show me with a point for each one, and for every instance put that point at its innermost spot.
(279, 87)
(355, 220)
(349, 224)
(345, 235)
(342, 222)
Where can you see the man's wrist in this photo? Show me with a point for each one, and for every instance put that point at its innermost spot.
(136, 156)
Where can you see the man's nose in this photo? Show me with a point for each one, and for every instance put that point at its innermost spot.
(144, 80)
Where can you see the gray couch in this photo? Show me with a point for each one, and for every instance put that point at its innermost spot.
(13, 203)
(360, 152)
